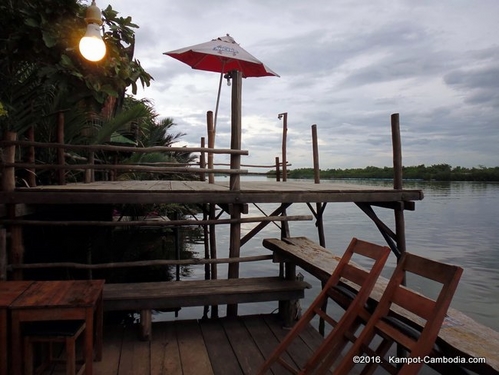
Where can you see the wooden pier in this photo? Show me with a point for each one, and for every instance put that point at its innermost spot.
(233, 344)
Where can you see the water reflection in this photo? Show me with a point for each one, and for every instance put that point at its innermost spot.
(455, 223)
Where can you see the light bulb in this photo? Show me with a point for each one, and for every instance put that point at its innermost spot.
(92, 47)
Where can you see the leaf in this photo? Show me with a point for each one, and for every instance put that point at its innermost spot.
(49, 40)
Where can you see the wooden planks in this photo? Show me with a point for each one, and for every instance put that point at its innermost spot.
(142, 192)
(172, 294)
(227, 346)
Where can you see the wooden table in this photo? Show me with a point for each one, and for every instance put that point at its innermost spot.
(60, 300)
(9, 292)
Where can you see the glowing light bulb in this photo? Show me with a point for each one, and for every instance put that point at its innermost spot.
(92, 47)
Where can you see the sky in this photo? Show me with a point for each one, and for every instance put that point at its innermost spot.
(345, 66)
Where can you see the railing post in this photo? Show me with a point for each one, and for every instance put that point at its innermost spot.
(202, 160)
(277, 169)
(211, 144)
(284, 117)
(90, 173)
(30, 158)
(9, 157)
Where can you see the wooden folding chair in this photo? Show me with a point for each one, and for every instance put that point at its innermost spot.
(394, 317)
(349, 283)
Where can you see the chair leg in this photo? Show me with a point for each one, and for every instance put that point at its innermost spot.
(28, 357)
(70, 356)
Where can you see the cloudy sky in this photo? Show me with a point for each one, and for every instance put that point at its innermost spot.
(345, 66)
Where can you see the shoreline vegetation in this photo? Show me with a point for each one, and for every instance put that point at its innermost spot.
(436, 172)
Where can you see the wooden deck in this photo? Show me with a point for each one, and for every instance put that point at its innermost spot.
(460, 336)
(227, 346)
(143, 192)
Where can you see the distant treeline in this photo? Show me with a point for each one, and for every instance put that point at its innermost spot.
(436, 172)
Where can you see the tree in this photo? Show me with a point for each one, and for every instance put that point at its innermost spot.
(40, 62)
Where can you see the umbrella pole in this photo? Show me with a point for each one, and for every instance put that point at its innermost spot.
(218, 100)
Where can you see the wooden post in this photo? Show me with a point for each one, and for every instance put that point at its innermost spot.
(236, 131)
(277, 169)
(315, 152)
(90, 173)
(202, 160)
(213, 253)
(9, 185)
(211, 144)
(319, 212)
(60, 151)
(397, 181)
(3, 254)
(235, 181)
(9, 156)
(398, 212)
(397, 151)
(31, 157)
(284, 116)
(317, 180)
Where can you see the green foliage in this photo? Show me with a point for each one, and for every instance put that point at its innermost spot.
(39, 57)
(436, 172)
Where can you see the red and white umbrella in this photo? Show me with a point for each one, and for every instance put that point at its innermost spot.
(222, 55)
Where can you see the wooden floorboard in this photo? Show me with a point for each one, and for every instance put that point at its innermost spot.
(247, 353)
(222, 356)
(142, 192)
(267, 341)
(226, 346)
(193, 353)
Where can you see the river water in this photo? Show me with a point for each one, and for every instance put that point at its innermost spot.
(456, 222)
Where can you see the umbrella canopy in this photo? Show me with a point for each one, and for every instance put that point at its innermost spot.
(222, 55)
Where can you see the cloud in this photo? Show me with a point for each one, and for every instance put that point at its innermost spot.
(345, 67)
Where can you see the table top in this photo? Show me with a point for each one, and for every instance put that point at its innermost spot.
(57, 294)
(11, 290)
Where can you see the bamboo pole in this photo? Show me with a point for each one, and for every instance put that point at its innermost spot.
(121, 148)
(150, 223)
(125, 167)
(141, 263)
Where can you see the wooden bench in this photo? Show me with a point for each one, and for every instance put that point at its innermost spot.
(144, 297)
(460, 336)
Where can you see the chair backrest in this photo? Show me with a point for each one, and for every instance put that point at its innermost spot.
(349, 276)
(350, 285)
(401, 302)
(432, 311)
